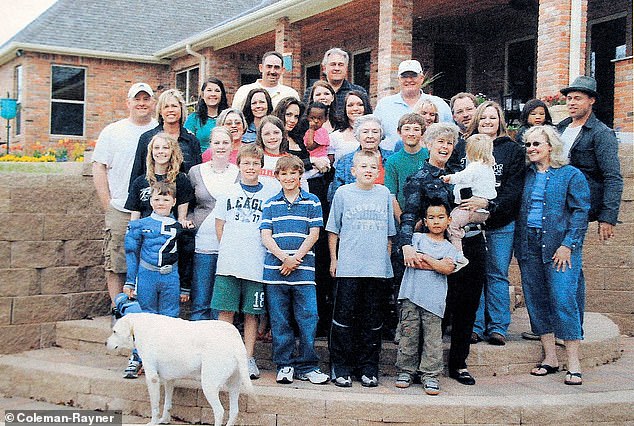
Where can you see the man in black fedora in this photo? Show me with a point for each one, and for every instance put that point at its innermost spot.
(592, 147)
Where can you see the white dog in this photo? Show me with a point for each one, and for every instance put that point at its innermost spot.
(172, 348)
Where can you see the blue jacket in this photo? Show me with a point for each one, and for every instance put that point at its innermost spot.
(596, 153)
(564, 215)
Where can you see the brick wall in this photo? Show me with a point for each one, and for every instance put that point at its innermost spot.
(107, 84)
(50, 257)
(623, 98)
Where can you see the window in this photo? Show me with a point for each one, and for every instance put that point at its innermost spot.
(361, 69)
(18, 96)
(68, 94)
(313, 73)
(187, 83)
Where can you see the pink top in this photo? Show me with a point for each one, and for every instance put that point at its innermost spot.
(322, 139)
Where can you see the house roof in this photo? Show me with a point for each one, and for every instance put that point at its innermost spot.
(127, 27)
(147, 31)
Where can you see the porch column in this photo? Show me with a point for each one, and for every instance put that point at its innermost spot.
(395, 42)
(288, 42)
(561, 44)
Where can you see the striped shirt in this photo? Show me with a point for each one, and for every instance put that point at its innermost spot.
(290, 224)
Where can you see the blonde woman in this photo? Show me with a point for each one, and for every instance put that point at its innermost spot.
(551, 226)
(428, 110)
(476, 180)
(164, 158)
(171, 112)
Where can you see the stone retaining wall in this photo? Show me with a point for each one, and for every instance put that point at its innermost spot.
(50, 257)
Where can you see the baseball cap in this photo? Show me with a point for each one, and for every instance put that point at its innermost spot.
(140, 87)
(410, 65)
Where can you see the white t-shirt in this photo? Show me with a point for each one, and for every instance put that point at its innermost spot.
(568, 138)
(477, 176)
(339, 146)
(116, 148)
(241, 252)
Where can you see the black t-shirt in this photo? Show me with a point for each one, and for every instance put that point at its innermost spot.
(139, 194)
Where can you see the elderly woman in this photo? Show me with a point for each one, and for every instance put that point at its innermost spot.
(494, 314)
(552, 223)
(171, 113)
(465, 286)
(233, 120)
(368, 131)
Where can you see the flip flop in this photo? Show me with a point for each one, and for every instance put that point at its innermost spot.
(570, 375)
(547, 368)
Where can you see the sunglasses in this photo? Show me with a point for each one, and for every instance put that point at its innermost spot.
(528, 144)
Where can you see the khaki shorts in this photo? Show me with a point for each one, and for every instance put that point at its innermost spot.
(113, 241)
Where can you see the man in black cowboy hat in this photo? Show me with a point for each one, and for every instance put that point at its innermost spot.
(592, 147)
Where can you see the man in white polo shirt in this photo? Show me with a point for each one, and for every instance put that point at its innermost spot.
(111, 168)
(391, 108)
(272, 69)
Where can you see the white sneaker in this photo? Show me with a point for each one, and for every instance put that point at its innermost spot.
(316, 377)
(285, 375)
(254, 371)
(369, 382)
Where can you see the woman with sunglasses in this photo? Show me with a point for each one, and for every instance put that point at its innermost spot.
(549, 233)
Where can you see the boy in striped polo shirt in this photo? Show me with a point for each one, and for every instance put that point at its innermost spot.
(290, 227)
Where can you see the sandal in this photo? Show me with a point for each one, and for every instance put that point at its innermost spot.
(547, 370)
(569, 378)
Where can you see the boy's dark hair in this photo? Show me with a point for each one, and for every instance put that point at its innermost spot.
(289, 162)
(250, 150)
(437, 202)
(164, 188)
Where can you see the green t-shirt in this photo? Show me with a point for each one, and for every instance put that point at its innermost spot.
(202, 133)
(399, 167)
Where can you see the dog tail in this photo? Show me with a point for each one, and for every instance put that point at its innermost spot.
(243, 368)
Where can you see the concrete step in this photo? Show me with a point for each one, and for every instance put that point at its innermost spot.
(93, 381)
(600, 346)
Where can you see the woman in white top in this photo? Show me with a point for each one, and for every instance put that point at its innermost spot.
(209, 180)
(342, 140)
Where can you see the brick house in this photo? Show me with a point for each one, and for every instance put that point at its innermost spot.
(71, 67)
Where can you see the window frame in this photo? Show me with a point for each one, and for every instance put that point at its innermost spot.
(68, 101)
(351, 67)
(188, 90)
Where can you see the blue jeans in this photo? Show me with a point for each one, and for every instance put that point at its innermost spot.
(494, 314)
(158, 293)
(285, 303)
(555, 300)
(203, 278)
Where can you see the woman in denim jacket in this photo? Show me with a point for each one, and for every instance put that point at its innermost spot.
(552, 223)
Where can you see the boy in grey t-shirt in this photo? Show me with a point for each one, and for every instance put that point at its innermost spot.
(361, 221)
(422, 295)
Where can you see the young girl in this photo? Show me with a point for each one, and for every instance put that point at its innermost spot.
(257, 104)
(316, 137)
(164, 158)
(271, 137)
(476, 180)
(323, 92)
(535, 113)
(342, 140)
(209, 180)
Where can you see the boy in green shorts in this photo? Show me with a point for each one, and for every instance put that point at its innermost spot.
(238, 286)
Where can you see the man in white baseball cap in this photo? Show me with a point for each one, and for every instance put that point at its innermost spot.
(112, 164)
(391, 108)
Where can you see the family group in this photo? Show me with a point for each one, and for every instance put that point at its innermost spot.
(321, 216)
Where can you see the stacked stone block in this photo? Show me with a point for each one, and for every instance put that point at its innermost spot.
(50, 257)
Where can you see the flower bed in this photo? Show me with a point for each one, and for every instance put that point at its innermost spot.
(65, 150)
